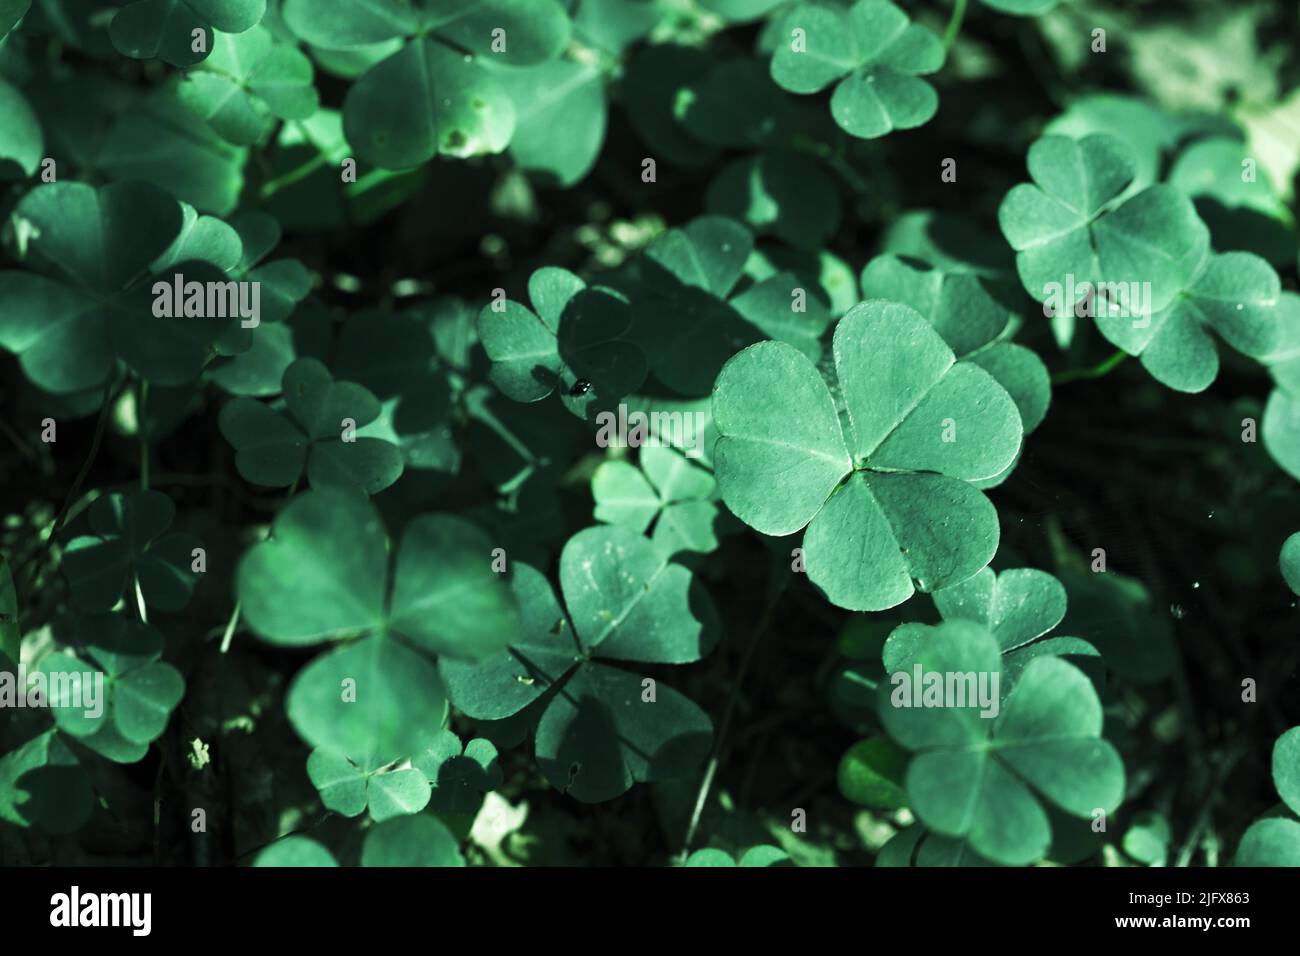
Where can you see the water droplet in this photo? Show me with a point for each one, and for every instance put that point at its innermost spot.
(1240, 306)
(1195, 585)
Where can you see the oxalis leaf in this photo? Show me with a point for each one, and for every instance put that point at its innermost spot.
(92, 303)
(600, 728)
(433, 95)
(1289, 561)
(980, 778)
(667, 491)
(315, 434)
(876, 54)
(1018, 607)
(129, 546)
(1274, 840)
(43, 785)
(755, 856)
(139, 691)
(250, 80)
(179, 32)
(571, 336)
(376, 699)
(886, 499)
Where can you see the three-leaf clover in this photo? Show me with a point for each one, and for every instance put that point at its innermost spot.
(248, 82)
(980, 779)
(179, 32)
(885, 493)
(139, 691)
(1017, 606)
(459, 774)
(876, 54)
(433, 95)
(91, 302)
(570, 340)
(666, 491)
(323, 575)
(128, 546)
(600, 728)
(347, 789)
(315, 433)
(1050, 223)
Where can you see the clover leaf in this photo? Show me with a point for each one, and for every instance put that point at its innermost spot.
(420, 840)
(11, 11)
(779, 192)
(43, 785)
(1280, 430)
(560, 119)
(347, 789)
(376, 699)
(248, 82)
(460, 774)
(433, 95)
(128, 546)
(1050, 223)
(1022, 8)
(981, 779)
(315, 433)
(1017, 606)
(1289, 560)
(666, 491)
(295, 851)
(600, 728)
(885, 498)
(140, 691)
(166, 28)
(571, 336)
(874, 52)
(755, 856)
(1235, 293)
(975, 325)
(22, 144)
(1274, 840)
(91, 302)
(693, 312)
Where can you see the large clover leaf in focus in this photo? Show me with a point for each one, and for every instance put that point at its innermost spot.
(876, 54)
(97, 252)
(884, 489)
(310, 435)
(433, 95)
(982, 778)
(324, 575)
(1274, 839)
(600, 728)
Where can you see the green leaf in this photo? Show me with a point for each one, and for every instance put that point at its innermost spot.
(444, 598)
(250, 80)
(295, 851)
(1016, 606)
(460, 775)
(419, 840)
(1281, 430)
(129, 545)
(971, 777)
(779, 193)
(920, 426)
(22, 144)
(11, 11)
(1022, 8)
(1274, 841)
(1147, 838)
(561, 118)
(43, 785)
(164, 28)
(1286, 768)
(871, 774)
(572, 334)
(875, 52)
(1289, 560)
(1049, 223)
(373, 701)
(602, 728)
(668, 492)
(315, 434)
(11, 634)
